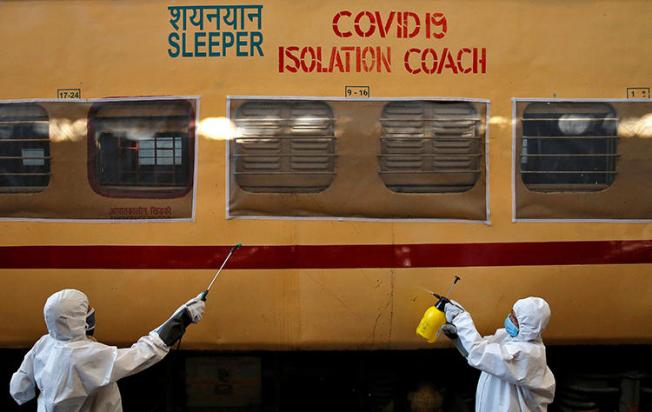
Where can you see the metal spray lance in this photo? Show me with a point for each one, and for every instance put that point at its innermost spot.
(231, 252)
(205, 293)
(435, 317)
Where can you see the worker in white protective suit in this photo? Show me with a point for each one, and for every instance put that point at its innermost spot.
(515, 375)
(74, 372)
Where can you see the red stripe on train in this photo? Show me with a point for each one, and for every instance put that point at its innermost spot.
(328, 256)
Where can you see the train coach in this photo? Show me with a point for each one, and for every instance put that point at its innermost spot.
(362, 153)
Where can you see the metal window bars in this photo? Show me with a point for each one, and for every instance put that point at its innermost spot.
(143, 146)
(24, 148)
(156, 162)
(430, 147)
(284, 146)
(568, 147)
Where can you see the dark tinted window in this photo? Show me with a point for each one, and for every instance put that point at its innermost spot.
(24, 148)
(142, 147)
(568, 146)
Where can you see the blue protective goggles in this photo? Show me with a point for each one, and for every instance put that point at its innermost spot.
(90, 321)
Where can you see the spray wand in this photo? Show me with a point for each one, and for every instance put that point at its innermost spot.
(231, 252)
(446, 298)
(205, 293)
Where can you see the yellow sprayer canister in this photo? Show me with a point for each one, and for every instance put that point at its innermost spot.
(432, 321)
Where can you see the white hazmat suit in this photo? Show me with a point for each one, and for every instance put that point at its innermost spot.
(74, 373)
(515, 375)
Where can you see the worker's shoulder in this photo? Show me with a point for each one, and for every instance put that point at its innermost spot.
(40, 343)
(83, 347)
(42, 339)
(86, 350)
(527, 348)
(47, 347)
(89, 343)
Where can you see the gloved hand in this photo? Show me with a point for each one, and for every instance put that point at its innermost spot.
(449, 330)
(174, 328)
(195, 308)
(452, 309)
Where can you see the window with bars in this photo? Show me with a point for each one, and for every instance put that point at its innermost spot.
(430, 147)
(568, 146)
(284, 146)
(141, 148)
(24, 148)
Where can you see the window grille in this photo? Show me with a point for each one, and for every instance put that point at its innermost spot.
(160, 151)
(568, 146)
(142, 147)
(284, 146)
(430, 147)
(24, 148)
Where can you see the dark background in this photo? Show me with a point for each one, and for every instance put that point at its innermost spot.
(588, 378)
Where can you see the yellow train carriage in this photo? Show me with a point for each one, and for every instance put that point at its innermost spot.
(359, 151)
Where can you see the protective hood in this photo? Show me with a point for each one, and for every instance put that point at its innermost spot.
(533, 315)
(65, 314)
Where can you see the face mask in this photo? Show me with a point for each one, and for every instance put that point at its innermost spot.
(90, 321)
(512, 330)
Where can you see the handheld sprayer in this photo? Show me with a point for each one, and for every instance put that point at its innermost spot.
(231, 252)
(435, 317)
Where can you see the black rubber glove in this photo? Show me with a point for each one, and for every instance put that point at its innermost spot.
(174, 328)
(449, 330)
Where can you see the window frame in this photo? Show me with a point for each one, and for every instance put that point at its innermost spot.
(136, 191)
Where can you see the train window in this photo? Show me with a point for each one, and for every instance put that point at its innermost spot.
(141, 148)
(430, 147)
(569, 146)
(24, 148)
(582, 160)
(284, 146)
(360, 159)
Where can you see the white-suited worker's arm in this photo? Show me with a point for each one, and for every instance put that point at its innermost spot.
(23, 386)
(149, 350)
(489, 355)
